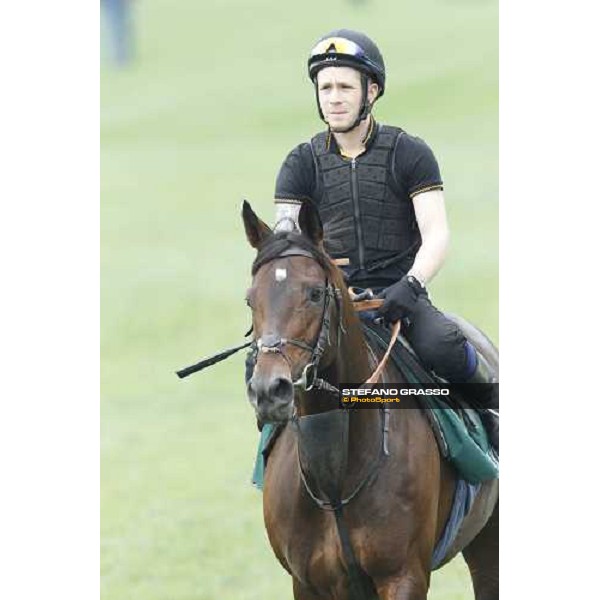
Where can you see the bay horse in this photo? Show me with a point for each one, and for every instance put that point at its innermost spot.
(347, 518)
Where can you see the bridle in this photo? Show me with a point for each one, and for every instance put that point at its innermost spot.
(308, 379)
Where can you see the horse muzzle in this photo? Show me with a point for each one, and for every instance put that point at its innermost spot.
(271, 397)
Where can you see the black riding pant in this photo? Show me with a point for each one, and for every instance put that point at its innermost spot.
(439, 342)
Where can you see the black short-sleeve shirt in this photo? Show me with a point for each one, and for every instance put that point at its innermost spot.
(413, 161)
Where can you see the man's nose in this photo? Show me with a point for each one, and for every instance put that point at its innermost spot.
(335, 96)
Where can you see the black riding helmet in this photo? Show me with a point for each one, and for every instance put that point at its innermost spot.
(347, 48)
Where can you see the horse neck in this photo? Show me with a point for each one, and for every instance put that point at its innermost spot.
(329, 465)
(353, 366)
(352, 361)
(346, 358)
(366, 430)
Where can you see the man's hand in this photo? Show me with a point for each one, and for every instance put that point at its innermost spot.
(400, 299)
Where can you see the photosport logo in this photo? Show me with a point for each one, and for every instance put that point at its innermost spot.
(396, 395)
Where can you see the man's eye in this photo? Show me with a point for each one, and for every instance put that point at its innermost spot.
(248, 303)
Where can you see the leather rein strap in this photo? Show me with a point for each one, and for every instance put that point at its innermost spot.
(374, 304)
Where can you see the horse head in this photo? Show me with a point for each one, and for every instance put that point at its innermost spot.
(300, 308)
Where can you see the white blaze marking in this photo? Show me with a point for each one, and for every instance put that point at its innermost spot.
(280, 274)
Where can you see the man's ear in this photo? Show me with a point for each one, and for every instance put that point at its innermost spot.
(310, 222)
(372, 92)
(256, 230)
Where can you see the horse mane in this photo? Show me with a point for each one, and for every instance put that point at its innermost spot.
(278, 243)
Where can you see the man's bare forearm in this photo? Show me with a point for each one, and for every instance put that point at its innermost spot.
(286, 214)
(435, 235)
(430, 257)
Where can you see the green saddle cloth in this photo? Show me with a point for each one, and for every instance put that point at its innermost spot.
(465, 442)
(258, 476)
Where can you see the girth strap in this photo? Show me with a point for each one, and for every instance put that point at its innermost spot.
(361, 585)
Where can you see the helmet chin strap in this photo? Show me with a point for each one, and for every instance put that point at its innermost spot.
(365, 109)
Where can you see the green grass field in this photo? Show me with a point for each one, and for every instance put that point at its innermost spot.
(216, 99)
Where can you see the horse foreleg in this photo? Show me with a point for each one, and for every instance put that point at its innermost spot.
(481, 555)
(408, 586)
(301, 592)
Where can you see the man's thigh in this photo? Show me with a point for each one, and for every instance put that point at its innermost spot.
(437, 340)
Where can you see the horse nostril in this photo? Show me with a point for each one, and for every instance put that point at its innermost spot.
(281, 389)
(251, 392)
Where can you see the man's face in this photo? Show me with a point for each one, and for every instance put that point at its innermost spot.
(340, 95)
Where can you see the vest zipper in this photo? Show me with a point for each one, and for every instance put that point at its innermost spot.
(354, 186)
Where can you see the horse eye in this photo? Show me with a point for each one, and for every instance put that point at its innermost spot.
(315, 295)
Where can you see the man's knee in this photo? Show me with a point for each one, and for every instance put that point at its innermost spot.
(438, 342)
(444, 356)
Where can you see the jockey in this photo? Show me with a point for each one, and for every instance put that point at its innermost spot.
(380, 197)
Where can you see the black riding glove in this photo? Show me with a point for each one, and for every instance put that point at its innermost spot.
(400, 299)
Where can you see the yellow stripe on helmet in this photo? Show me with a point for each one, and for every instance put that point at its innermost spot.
(337, 45)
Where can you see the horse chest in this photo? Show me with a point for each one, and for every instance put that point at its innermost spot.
(317, 559)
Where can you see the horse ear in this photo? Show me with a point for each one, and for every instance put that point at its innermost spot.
(256, 230)
(310, 222)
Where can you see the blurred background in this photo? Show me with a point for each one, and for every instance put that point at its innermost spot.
(200, 103)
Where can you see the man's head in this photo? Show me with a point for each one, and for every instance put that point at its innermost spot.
(340, 94)
(357, 59)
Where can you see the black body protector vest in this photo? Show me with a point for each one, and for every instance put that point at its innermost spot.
(367, 214)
